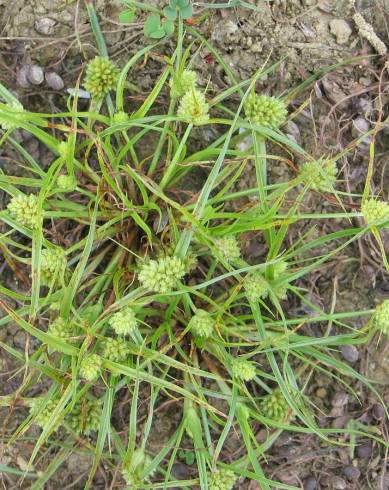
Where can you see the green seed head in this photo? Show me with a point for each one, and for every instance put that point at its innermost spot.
(15, 108)
(133, 469)
(53, 265)
(381, 317)
(256, 287)
(320, 175)
(265, 111)
(120, 117)
(180, 85)
(229, 247)
(101, 77)
(222, 479)
(62, 329)
(116, 350)
(162, 275)
(85, 416)
(193, 107)
(42, 410)
(24, 210)
(274, 406)
(375, 211)
(243, 369)
(66, 183)
(202, 324)
(124, 321)
(90, 367)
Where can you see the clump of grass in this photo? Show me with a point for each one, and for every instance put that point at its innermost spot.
(147, 298)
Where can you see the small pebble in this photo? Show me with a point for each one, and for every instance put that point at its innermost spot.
(337, 483)
(45, 26)
(21, 76)
(351, 473)
(35, 75)
(54, 81)
(340, 399)
(378, 411)
(341, 30)
(350, 353)
(364, 451)
(310, 483)
(360, 126)
(321, 392)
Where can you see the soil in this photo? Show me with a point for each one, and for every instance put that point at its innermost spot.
(306, 35)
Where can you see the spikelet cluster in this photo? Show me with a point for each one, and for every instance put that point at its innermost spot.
(183, 83)
(24, 210)
(85, 416)
(162, 275)
(274, 406)
(202, 324)
(90, 367)
(194, 108)
(53, 265)
(222, 479)
(375, 211)
(124, 321)
(101, 77)
(320, 175)
(381, 317)
(243, 369)
(228, 247)
(15, 108)
(265, 110)
(116, 350)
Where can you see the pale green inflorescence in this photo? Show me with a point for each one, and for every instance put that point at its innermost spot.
(101, 77)
(53, 265)
(120, 117)
(202, 324)
(265, 110)
(85, 416)
(133, 469)
(320, 175)
(24, 210)
(162, 275)
(16, 109)
(274, 406)
(124, 321)
(42, 411)
(66, 183)
(90, 367)
(381, 317)
(193, 107)
(62, 329)
(229, 248)
(183, 83)
(116, 350)
(256, 287)
(243, 369)
(375, 211)
(222, 479)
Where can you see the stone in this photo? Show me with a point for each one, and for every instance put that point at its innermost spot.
(45, 26)
(341, 30)
(35, 74)
(54, 81)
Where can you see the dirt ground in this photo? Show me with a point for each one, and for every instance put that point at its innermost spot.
(307, 35)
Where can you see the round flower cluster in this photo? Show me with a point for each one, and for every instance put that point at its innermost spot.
(243, 369)
(381, 317)
(229, 247)
(222, 479)
(15, 108)
(124, 321)
(66, 183)
(375, 211)
(85, 416)
(133, 469)
(193, 107)
(24, 210)
(185, 82)
(90, 367)
(62, 329)
(53, 265)
(279, 270)
(256, 287)
(320, 175)
(202, 324)
(265, 110)
(119, 117)
(101, 77)
(162, 275)
(116, 350)
(42, 411)
(274, 406)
